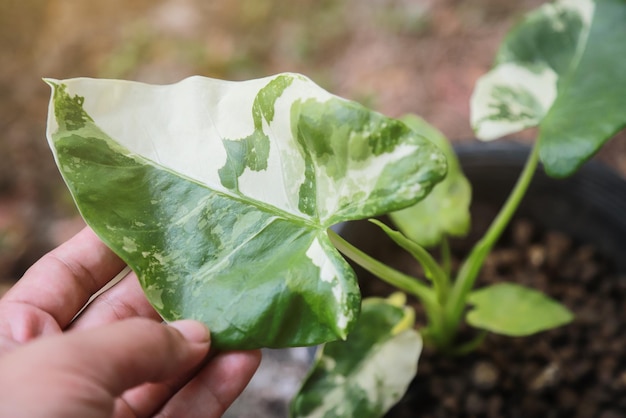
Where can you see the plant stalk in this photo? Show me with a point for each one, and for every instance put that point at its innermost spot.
(432, 270)
(474, 262)
(390, 275)
(395, 278)
(446, 257)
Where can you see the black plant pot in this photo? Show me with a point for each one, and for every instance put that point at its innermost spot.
(590, 208)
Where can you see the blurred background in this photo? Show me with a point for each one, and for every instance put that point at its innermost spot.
(396, 56)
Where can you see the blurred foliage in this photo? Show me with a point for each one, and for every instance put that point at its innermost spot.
(234, 40)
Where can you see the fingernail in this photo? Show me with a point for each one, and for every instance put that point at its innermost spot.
(193, 331)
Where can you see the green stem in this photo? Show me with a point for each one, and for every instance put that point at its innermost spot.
(441, 282)
(472, 265)
(446, 258)
(469, 346)
(395, 278)
(392, 276)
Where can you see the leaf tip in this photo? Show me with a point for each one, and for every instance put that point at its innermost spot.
(52, 82)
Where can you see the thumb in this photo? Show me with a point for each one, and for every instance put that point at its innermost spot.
(127, 353)
(81, 372)
(139, 350)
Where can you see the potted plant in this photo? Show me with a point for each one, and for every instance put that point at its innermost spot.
(220, 196)
(566, 240)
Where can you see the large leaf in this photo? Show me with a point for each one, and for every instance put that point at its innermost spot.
(445, 211)
(368, 373)
(563, 68)
(218, 195)
(514, 310)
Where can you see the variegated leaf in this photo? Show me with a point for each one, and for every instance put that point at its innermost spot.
(368, 373)
(445, 211)
(218, 195)
(563, 69)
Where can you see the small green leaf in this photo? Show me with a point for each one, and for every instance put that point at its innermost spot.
(368, 373)
(445, 211)
(219, 194)
(514, 310)
(563, 69)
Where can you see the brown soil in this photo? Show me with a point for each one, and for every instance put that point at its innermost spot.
(574, 371)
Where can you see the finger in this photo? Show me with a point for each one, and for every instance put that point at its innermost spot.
(62, 281)
(146, 351)
(124, 300)
(127, 353)
(215, 387)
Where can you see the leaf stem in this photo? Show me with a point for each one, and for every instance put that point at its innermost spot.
(446, 258)
(472, 265)
(469, 346)
(441, 282)
(390, 275)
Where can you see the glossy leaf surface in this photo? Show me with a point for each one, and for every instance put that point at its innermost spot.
(445, 211)
(514, 310)
(218, 195)
(368, 373)
(563, 69)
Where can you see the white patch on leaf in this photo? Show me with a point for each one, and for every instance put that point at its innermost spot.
(344, 317)
(329, 274)
(396, 358)
(154, 295)
(361, 180)
(161, 259)
(179, 126)
(383, 374)
(487, 117)
(129, 245)
(319, 258)
(279, 183)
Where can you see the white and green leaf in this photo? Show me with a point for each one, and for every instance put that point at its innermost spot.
(368, 373)
(563, 69)
(218, 195)
(514, 310)
(445, 211)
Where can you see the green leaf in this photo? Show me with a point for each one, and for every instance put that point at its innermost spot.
(368, 373)
(445, 211)
(219, 194)
(563, 68)
(514, 310)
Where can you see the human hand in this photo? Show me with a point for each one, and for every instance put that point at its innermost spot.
(115, 359)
